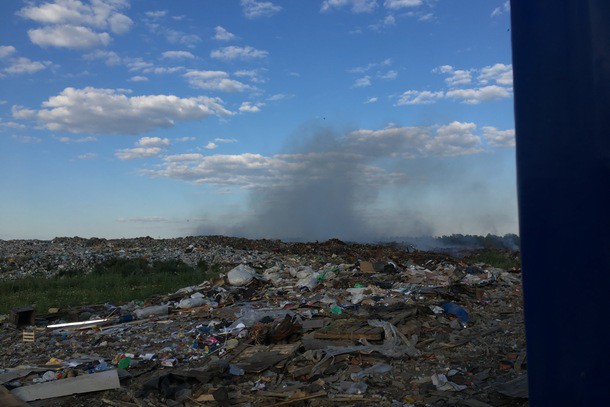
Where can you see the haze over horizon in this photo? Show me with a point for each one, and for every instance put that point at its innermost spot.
(350, 119)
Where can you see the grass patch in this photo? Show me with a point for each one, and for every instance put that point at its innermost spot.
(116, 281)
(504, 259)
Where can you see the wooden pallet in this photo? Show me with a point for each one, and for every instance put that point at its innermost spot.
(29, 336)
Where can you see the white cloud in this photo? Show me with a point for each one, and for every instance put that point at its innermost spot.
(214, 80)
(25, 65)
(138, 152)
(6, 50)
(225, 140)
(254, 9)
(499, 73)
(153, 142)
(456, 77)
(278, 96)
(454, 139)
(415, 97)
(398, 4)
(12, 125)
(111, 58)
(254, 75)
(356, 6)
(111, 111)
(211, 146)
(156, 14)
(138, 78)
(74, 24)
(222, 34)
(234, 52)
(26, 139)
(87, 156)
(499, 138)
(362, 82)
(177, 55)
(69, 140)
(366, 68)
(247, 107)
(68, 36)
(477, 95)
(388, 21)
(257, 171)
(388, 75)
(371, 100)
(504, 8)
(185, 139)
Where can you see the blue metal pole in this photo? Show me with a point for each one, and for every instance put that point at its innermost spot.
(561, 67)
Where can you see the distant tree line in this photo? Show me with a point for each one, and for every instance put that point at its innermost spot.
(508, 241)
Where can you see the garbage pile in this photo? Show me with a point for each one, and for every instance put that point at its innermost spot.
(287, 324)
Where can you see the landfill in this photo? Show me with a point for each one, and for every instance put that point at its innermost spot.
(299, 324)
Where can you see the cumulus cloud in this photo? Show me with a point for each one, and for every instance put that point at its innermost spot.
(234, 52)
(504, 8)
(26, 139)
(477, 95)
(225, 140)
(177, 55)
(110, 58)
(371, 100)
(254, 75)
(247, 107)
(112, 111)
(456, 76)
(388, 75)
(68, 36)
(156, 14)
(362, 82)
(356, 6)
(87, 156)
(211, 146)
(24, 65)
(138, 78)
(278, 96)
(6, 50)
(499, 138)
(255, 9)
(398, 4)
(70, 140)
(137, 152)
(257, 171)
(153, 142)
(222, 34)
(74, 24)
(415, 97)
(214, 80)
(499, 73)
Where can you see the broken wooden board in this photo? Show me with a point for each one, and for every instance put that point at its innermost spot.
(65, 387)
(29, 336)
(258, 358)
(349, 329)
(8, 400)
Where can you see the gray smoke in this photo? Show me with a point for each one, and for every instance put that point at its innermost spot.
(339, 186)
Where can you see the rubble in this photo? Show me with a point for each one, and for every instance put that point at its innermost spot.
(288, 324)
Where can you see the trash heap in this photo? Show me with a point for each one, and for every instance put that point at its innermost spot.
(290, 324)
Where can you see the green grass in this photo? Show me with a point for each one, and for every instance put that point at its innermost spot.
(504, 259)
(116, 281)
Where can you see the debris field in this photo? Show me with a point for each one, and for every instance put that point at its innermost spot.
(300, 324)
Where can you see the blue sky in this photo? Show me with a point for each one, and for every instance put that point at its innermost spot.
(356, 119)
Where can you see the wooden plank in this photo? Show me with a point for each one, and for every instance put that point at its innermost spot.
(65, 387)
(29, 336)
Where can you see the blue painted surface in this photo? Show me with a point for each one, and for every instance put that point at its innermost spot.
(561, 62)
